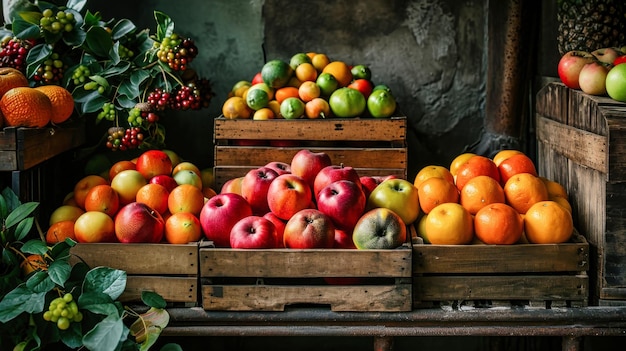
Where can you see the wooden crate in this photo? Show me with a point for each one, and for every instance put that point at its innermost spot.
(581, 143)
(529, 275)
(269, 280)
(22, 148)
(167, 269)
(373, 146)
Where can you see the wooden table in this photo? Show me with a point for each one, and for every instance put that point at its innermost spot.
(572, 324)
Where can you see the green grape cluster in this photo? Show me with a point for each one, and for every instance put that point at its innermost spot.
(125, 53)
(80, 75)
(62, 311)
(56, 23)
(134, 117)
(108, 112)
(50, 71)
(94, 86)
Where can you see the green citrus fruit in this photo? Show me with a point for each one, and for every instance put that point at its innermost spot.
(298, 59)
(361, 72)
(381, 103)
(381, 87)
(327, 83)
(257, 99)
(276, 73)
(239, 84)
(292, 108)
(347, 102)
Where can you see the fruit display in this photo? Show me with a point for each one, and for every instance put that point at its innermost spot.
(122, 77)
(309, 85)
(599, 72)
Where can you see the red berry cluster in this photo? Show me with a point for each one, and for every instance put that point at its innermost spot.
(13, 52)
(124, 139)
(193, 96)
(177, 53)
(158, 99)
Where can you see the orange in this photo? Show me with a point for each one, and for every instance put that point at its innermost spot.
(236, 107)
(434, 191)
(185, 198)
(547, 222)
(475, 166)
(60, 231)
(449, 224)
(264, 113)
(186, 165)
(154, 162)
(524, 190)
(11, 78)
(182, 228)
(61, 100)
(119, 166)
(498, 224)
(320, 61)
(153, 195)
(275, 107)
(308, 91)
(102, 198)
(33, 263)
(82, 187)
(515, 164)
(555, 189)
(306, 72)
(504, 154)
(459, 160)
(317, 108)
(479, 192)
(432, 171)
(282, 93)
(208, 192)
(561, 201)
(26, 107)
(341, 71)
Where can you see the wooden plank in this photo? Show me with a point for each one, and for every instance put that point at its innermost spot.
(341, 129)
(172, 289)
(509, 287)
(582, 147)
(36, 145)
(145, 259)
(305, 263)
(380, 298)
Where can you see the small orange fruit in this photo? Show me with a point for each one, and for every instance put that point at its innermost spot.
(449, 224)
(434, 191)
(547, 222)
(61, 100)
(317, 108)
(185, 198)
(341, 71)
(11, 78)
(459, 160)
(498, 224)
(33, 263)
(504, 154)
(182, 228)
(102, 198)
(432, 171)
(285, 92)
(60, 231)
(309, 90)
(475, 166)
(306, 72)
(562, 201)
(479, 192)
(119, 166)
(26, 107)
(153, 195)
(236, 107)
(320, 61)
(524, 190)
(82, 187)
(515, 164)
(555, 189)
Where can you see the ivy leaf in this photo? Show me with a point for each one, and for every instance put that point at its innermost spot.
(152, 299)
(40, 282)
(92, 19)
(105, 280)
(106, 335)
(76, 5)
(122, 28)
(32, 17)
(24, 30)
(98, 41)
(35, 246)
(20, 300)
(59, 271)
(94, 104)
(165, 25)
(38, 54)
(116, 70)
(126, 102)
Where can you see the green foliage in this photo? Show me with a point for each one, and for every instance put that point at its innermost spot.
(25, 298)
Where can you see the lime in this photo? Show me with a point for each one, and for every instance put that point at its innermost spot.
(327, 83)
(239, 84)
(263, 86)
(361, 72)
(347, 102)
(381, 103)
(257, 99)
(276, 73)
(292, 108)
(298, 59)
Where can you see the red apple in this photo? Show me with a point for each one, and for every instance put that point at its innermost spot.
(220, 213)
(309, 229)
(343, 239)
(368, 183)
(398, 195)
(306, 164)
(606, 55)
(258, 78)
(571, 64)
(153, 162)
(619, 60)
(279, 224)
(139, 223)
(288, 194)
(254, 188)
(253, 232)
(333, 173)
(279, 167)
(592, 78)
(165, 180)
(343, 201)
(379, 228)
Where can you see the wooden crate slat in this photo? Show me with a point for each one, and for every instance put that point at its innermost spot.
(36, 145)
(172, 289)
(216, 262)
(509, 287)
(346, 129)
(383, 298)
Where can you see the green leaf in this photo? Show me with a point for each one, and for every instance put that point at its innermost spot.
(20, 300)
(152, 299)
(165, 25)
(25, 30)
(38, 54)
(4, 208)
(126, 102)
(106, 335)
(35, 246)
(11, 198)
(149, 325)
(40, 282)
(94, 104)
(121, 28)
(76, 5)
(100, 80)
(23, 228)
(92, 19)
(32, 17)
(99, 41)
(117, 70)
(21, 212)
(105, 280)
(59, 272)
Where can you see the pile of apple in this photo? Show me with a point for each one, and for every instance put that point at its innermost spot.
(599, 72)
(310, 203)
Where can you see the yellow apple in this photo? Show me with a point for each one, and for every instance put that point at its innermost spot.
(127, 183)
(65, 213)
(94, 227)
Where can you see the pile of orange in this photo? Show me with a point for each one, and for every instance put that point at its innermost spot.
(506, 199)
(21, 105)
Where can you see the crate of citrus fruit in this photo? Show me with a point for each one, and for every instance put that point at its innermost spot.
(494, 233)
(310, 102)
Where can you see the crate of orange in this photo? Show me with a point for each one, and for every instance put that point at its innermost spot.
(494, 233)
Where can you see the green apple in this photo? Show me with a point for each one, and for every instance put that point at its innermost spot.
(187, 176)
(379, 228)
(398, 195)
(616, 83)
